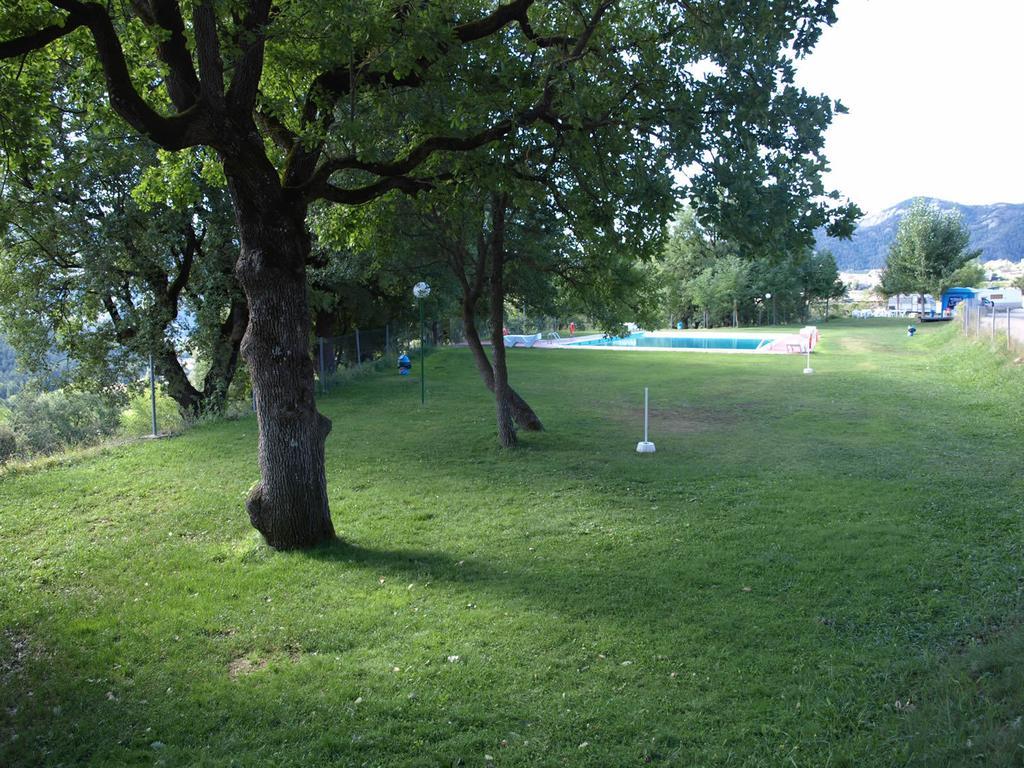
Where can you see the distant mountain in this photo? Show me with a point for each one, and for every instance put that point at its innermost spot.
(998, 230)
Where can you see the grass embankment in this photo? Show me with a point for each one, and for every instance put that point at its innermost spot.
(812, 570)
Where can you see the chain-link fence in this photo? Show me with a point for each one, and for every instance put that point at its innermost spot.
(1003, 327)
(338, 357)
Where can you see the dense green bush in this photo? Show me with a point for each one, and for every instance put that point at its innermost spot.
(136, 419)
(52, 421)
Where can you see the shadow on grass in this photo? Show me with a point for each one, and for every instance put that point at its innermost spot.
(410, 562)
(666, 595)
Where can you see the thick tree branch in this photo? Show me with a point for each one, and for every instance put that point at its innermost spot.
(319, 185)
(211, 68)
(416, 156)
(365, 194)
(192, 249)
(122, 333)
(339, 81)
(543, 41)
(183, 130)
(182, 83)
(249, 68)
(33, 41)
(488, 25)
(278, 132)
(330, 86)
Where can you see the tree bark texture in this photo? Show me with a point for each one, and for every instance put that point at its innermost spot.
(289, 504)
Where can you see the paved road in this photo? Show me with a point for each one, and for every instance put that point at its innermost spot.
(1016, 322)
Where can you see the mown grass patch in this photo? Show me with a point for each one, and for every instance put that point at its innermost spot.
(801, 557)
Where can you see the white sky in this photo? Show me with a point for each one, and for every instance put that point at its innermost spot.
(935, 90)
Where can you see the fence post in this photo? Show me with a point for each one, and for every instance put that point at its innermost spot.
(1007, 329)
(993, 324)
(359, 352)
(978, 326)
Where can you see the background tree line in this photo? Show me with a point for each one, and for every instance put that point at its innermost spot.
(707, 281)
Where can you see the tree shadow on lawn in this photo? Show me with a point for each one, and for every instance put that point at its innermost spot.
(407, 562)
(82, 711)
(686, 597)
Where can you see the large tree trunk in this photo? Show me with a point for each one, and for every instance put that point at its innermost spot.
(502, 392)
(289, 503)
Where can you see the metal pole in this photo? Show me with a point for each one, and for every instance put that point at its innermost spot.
(323, 382)
(152, 394)
(387, 340)
(993, 323)
(423, 371)
(645, 415)
(1007, 328)
(359, 352)
(978, 326)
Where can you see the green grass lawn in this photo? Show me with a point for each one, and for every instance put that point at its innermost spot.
(813, 570)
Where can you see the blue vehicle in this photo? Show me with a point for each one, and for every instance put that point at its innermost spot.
(950, 298)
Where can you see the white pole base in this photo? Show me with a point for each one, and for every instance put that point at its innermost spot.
(645, 447)
(808, 370)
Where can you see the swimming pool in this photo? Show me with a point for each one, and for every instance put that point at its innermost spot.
(710, 341)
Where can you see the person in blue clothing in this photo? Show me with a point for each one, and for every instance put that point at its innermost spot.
(911, 330)
(404, 365)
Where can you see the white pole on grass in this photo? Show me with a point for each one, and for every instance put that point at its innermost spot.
(645, 445)
(808, 369)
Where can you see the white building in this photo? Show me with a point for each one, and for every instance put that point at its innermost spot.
(912, 304)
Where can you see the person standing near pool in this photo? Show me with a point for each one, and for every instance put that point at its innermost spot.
(572, 327)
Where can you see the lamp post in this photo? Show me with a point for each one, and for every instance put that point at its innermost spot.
(152, 394)
(767, 296)
(421, 290)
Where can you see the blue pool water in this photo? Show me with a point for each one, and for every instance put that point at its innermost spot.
(749, 343)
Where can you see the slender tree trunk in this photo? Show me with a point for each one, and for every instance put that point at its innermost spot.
(193, 403)
(168, 367)
(225, 354)
(503, 400)
(523, 414)
(289, 503)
